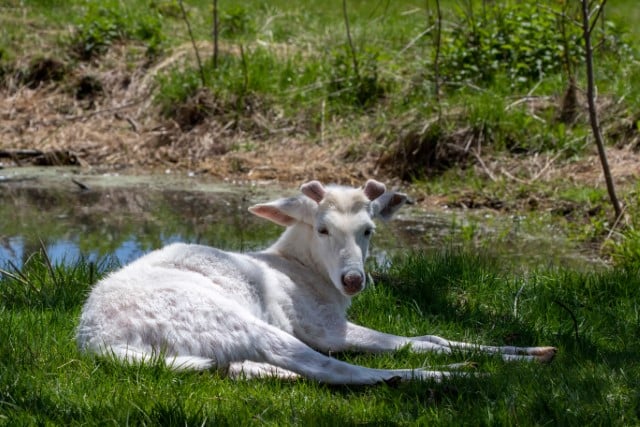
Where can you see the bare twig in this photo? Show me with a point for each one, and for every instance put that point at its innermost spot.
(603, 28)
(436, 61)
(42, 158)
(81, 185)
(567, 63)
(415, 39)
(215, 34)
(537, 176)
(528, 97)
(356, 68)
(483, 165)
(81, 117)
(245, 71)
(562, 15)
(322, 119)
(546, 166)
(193, 42)
(512, 177)
(20, 154)
(599, 10)
(612, 229)
(134, 125)
(593, 113)
(525, 99)
(240, 102)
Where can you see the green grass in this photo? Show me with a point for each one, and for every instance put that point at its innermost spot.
(592, 317)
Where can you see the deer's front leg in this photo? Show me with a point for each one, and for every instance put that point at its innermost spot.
(358, 338)
(352, 337)
(508, 353)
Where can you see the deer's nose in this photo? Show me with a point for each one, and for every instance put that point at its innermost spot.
(353, 282)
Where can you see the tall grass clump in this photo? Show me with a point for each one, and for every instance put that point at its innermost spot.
(624, 245)
(626, 251)
(41, 285)
(350, 88)
(244, 82)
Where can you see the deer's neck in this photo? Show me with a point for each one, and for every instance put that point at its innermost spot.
(296, 244)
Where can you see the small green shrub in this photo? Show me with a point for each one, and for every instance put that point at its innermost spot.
(107, 22)
(235, 21)
(522, 40)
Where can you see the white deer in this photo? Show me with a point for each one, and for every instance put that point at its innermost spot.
(277, 312)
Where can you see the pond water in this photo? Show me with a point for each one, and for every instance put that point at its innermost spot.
(101, 216)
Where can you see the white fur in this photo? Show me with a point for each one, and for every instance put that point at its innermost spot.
(265, 313)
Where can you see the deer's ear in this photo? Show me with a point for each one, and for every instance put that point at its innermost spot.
(386, 205)
(286, 212)
(313, 190)
(373, 189)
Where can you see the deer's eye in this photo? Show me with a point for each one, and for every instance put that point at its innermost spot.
(323, 230)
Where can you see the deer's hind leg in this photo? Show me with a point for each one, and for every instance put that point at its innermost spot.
(249, 369)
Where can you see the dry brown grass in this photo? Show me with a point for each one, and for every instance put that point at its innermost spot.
(117, 126)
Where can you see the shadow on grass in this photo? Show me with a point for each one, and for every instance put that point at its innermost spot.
(457, 288)
(591, 314)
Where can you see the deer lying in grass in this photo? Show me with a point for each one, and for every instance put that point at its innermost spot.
(269, 313)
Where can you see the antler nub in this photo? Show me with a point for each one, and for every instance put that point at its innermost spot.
(313, 190)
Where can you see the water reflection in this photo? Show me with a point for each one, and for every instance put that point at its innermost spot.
(123, 222)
